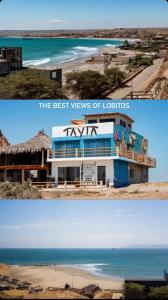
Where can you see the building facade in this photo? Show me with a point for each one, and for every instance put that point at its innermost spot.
(100, 149)
(10, 59)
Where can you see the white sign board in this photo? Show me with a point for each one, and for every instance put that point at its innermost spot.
(89, 172)
(82, 130)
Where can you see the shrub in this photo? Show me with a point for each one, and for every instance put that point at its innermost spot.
(14, 190)
(135, 291)
(158, 293)
(87, 84)
(29, 84)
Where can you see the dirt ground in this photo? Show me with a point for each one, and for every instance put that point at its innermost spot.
(143, 191)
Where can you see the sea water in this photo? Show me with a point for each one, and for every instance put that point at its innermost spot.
(118, 263)
(46, 52)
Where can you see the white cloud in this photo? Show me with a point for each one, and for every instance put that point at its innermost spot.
(51, 21)
(29, 226)
(56, 21)
(123, 213)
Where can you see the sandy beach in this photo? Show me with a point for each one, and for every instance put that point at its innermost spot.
(143, 191)
(58, 276)
(82, 64)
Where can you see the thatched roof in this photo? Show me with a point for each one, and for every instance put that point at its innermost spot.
(36, 144)
(3, 140)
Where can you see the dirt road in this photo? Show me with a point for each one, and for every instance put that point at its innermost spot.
(139, 83)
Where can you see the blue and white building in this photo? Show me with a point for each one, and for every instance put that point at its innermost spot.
(100, 148)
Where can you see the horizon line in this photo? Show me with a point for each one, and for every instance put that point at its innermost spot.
(92, 29)
(87, 248)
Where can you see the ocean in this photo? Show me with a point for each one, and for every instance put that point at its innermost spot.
(46, 52)
(114, 263)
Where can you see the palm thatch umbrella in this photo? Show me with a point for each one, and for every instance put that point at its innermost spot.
(38, 143)
(3, 140)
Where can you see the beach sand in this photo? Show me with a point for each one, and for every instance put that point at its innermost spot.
(58, 276)
(142, 191)
(82, 64)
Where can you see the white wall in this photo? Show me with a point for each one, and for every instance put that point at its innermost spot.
(109, 164)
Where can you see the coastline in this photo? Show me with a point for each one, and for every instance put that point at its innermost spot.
(77, 62)
(69, 38)
(82, 64)
(58, 276)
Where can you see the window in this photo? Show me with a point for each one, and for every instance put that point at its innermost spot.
(131, 173)
(92, 121)
(54, 75)
(122, 123)
(70, 174)
(107, 120)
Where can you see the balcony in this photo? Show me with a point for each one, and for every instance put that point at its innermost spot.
(114, 152)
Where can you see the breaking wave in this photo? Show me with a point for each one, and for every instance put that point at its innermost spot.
(36, 62)
(86, 49)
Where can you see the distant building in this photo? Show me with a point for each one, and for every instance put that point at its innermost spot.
(11, 59)
(55, 74)
(100, 148)
(12, 56)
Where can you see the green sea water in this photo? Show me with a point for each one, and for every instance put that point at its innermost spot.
(120, 263)
(48, 51)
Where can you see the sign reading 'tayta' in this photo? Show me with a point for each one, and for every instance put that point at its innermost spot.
(82, 130)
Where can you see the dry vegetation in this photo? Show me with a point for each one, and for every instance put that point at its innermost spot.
(11, 190)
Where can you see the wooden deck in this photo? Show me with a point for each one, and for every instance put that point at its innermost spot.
(24, 167)
(103, 152)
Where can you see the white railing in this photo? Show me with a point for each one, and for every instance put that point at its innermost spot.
(102, 152)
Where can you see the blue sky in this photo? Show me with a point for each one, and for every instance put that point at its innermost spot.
(75, 14)
(72, 224)
(21, 120)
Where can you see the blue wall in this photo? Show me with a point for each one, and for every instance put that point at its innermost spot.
(121, 135)
(124, 137)
(120, 173)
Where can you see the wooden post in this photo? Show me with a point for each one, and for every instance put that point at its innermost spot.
(65, 186)
(5, 175)
(101, 184)
(23, 176)
(42, 158)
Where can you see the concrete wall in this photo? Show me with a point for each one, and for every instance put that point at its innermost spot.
(140, 174)
(109, 164)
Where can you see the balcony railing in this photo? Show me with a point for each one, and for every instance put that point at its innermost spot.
(102, 152)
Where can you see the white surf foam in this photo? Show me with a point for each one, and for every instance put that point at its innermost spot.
(110, 45)
(86, 49)
(36, 62)
(93, 268)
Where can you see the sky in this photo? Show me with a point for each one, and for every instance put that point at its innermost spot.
(21, 120)
(75, 14)
(83, 224)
